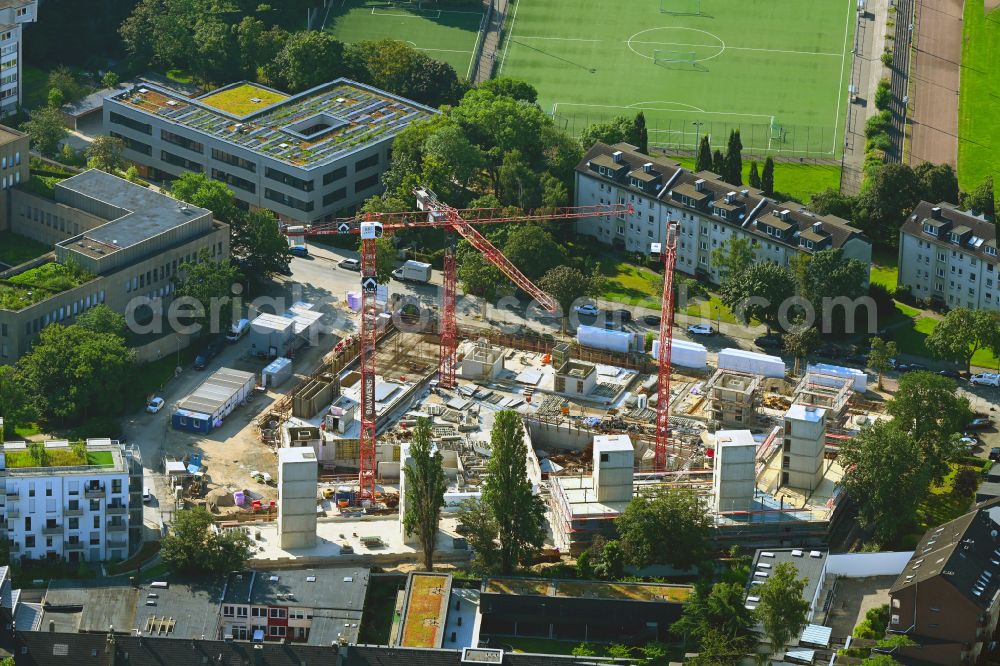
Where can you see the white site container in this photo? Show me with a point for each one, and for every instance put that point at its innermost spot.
(600, 338)
(859, 377)
(750, 362)
(684, 354)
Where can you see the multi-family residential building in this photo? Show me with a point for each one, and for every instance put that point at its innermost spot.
(13, 169)
(78, 502)
(303, 156)
(124, 242)
(950, 255)
(13, 14)
(947, 598)
(320, 607)
(709, 210)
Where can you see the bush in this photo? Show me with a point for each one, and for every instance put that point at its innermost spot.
(880, 123)
(887, 59)
(885, 307)
(883, 95)
(904, 294)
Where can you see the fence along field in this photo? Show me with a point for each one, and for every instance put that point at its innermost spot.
(776, 69)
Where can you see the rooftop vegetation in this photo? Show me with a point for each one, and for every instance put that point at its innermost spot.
(16, 249)
(423, 612)
(37, 284)
(36, 455)
(238, 100)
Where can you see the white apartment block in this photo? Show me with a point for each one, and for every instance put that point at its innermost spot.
(709, 210)
(950, 255)
(13, 14)
(76, 512)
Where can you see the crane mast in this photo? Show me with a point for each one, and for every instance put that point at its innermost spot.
(666, 346)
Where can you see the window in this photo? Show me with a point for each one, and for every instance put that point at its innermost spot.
(287, 200)
(278, 613)
(235, 181)
(74, 523)
(233, 160)
(118, 119)
(241, 611)
(335, 196)
(366, 183)
(277, 631)
(288, 179)
(258, 612)
(337, 174)
(182, 141)
(179, 161)
(894, 619)
(227, 611)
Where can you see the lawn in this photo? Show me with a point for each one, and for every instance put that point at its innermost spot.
(443, 34)
(939, 506)
(16, 249)
(911, 338)
(180, 76)
(60, 458)
(792, 180)
(242, 100)
(885, 270)
(775, 69)
(156, 374)
(978, 120)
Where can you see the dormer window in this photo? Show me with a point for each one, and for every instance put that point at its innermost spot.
(603, 170)
(809, 245)
(929, 229)
(953, 237)
(722, 213)
(990, 250)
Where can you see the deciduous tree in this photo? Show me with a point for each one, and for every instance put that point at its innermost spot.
(800, 344)
(832, 202)
(533, 250)
(425, 487)
(16, 402)
(937, 182)
(511, 88)
(306, 59)
(209, 283)
(45, 129)
(106, 153)
(199, 190)
(191, 547)
(886, 198)
(667, 527)
(257, 245)
(781, 610)
(733, 257)
(982, 199)
(566, 284)
(880, 357)
(758, 292)
(719, 608)
(102, 319)
(962, 333)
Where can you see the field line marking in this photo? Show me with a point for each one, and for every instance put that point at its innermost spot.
(564, 39)
(840, 94)
(418, 16)
(743, 48)
(510, 37)
(616, 106)
(444, 50)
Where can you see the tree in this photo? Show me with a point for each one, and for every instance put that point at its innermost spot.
(800, 344)
(704, 160)
(191, 547)
(16, 402)
(479, 277)
(450, 147)
(937, 182)
(754, 178)
(927, 408)
(611, 564)
(425, 487)
(758, 292)
(880, 357)
(110, 80)
(307, 59)
(982, 199)
(618, 130)
(781, 610)
(640, 133)
(394, 65)
(74, 372)
(826, 278)
(55, 98)
(886, 198)
(962, 333)
(719, 609)
(481, 530)
(734, 159)
(666, 527)
(61, 78)
(733, 257)
(217, 56)
(584, 569)
(519, 90)
(385, 259)
(533, 250)
(566, 284)
(767, 178)
(46, 129)
(199, 190)
(885, 478)
(102, 319)
(719, 649)
(257, 245)
(718, 163)
(209, 284)
(832, 202)
(966, 482)
(584, 650)
(883, 94)
(106, 153)
(518, 514)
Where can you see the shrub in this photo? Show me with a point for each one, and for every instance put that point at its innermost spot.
(883, 95)
(887, 59)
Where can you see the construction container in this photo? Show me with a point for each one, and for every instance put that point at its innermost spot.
(859, 378)
(306, 321)
(617, 341)
(277, 372)
(684, 354)
(215, 399)
(271, 335)
(750, 362)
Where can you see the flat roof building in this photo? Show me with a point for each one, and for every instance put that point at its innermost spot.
(303, 156)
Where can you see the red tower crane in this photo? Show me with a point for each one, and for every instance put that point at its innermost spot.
(666, 346)
(432, 214)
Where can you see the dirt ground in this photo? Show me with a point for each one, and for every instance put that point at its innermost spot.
(936, 74)
(853, 598)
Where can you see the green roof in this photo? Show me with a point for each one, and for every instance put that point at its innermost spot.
(39, 283)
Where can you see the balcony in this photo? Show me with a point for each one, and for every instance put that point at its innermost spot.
(110, 527)
(73, 512)
(55, 530)
(78, 546)
(116, 510)
(13, 513)
(95, 493)
(14, 547)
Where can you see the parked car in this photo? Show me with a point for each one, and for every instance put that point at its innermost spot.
(147, 491)
(911, 367)
(238, 330)
(350, 264)
(828, 351)
(155, 405)
(651, 320)
(985, 379)
(207, 354)
(857, 359)
(701, 329)
(979, 423)
(995, 453)
(624, 316)
(298, 250)
(589, 309)
(952, 374)
(769, 342)
(969, 442)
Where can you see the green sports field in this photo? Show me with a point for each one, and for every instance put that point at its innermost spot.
(778, 70)
(444, 34)
(978, 118)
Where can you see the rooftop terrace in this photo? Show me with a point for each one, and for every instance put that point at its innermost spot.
(309, 129)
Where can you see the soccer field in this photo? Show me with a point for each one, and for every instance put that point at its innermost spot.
(444, 34)
(778, 70)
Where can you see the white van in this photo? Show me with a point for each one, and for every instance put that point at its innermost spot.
(147, 491)
(238, 330)
(985, 379)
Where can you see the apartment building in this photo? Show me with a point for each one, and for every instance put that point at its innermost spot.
(318, 607)
(73, 502)
(126, 240)
(304, 156)
(947, 598)
(950, 255)
(709, 210)
(13, 14)
(14, 163)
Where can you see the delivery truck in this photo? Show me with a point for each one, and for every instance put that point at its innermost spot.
(413, 271)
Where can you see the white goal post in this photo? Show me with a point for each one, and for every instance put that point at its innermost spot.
(680, 7)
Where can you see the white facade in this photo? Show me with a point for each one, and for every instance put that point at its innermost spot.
(708, 210)
(12, 16)
(734, 475)
(76, 513)
(804, 447)
(297, 477)
(614, 465)
(951, 256)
